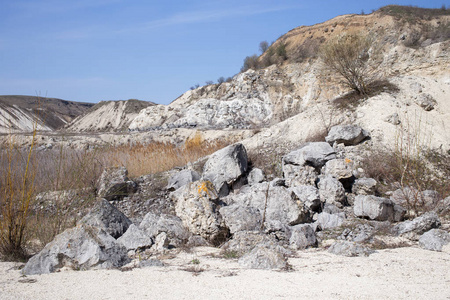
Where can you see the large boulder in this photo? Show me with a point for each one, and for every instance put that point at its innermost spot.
(134, 238)
(182, 178)
(377, 208)
(434, 239)
(244, 241)
(172, 226)
(364, 186)
(312, 154)
(262, 257)
(114, 184)
(347, 134)
(341, 169)
(327, 221)
(308, 195)
(347, 248)
(107, 217)
(239, 218)
(225, 167)
(302, 237)
(80, 248)
(416, 227)
(331, 191)
(197, 205)
(299, 175)
(274, 203)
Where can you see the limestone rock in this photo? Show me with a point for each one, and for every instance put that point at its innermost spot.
(255, 176)
(327, 221)
(339, 168)
(426, 101)
(434, 239)
(263, 258)
(105, 216)
(114, 184)
(153, 225)
(134, 238)
(244, 241)
(239, 218)
(331, 191)
(347, 134)
(299, 175)
(313, 154)
(302, 237)
(81, 247)
(181, 179)
(346, 248)
(364, 186)
(412, 229)
(375, 208)
(197, 206)
(308, 195)
(225, 167)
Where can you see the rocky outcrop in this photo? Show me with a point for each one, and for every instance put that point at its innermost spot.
(434, 239)
(197, 206)
(172, 226)
(225, 167)
(346, 134)
(416, 227)
(376, 208)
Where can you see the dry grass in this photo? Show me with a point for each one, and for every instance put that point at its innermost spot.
(143, 159)
(44, 193)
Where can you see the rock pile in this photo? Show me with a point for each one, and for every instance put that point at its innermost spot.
(233, 206)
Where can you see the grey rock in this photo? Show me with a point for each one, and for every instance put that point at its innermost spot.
(426, 101)
(374, 208)
(434, 239)
(105, 216)
(181, 179)
(225, 167)
(239, 218)
(263, 258)
(313, 154)
(412, 229)
(339, 168)
(347, 248)
(308, 195)
(244, 241)
(114, 184)
(302, 237)
(197, 206)
(347, 134)
(79, 248)
(134, 238)
(152, 262)
(255, 176)
(331, 209)
(393, 119)
(328, 221)
(153, 225)
(162, 242)
(299, 175)
(360, 233)
(273, 202)
(331, 191)
(364, 186)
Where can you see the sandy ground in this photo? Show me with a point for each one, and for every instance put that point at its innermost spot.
(403, 273)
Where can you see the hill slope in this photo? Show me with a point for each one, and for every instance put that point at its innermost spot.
(21, 113)
(108, 116)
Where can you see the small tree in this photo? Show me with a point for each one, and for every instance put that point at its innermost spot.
(250, 62)
(221, 80)
(353, 57)
(263, 46)
(209, 82)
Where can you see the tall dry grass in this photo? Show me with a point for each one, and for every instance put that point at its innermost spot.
(49, 191)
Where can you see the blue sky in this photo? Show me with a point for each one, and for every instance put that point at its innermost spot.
(93, 50)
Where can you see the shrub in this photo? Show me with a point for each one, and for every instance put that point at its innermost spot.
(221, 80)
(263, 46)
(17, 191)
(250, 62)
(352, 57)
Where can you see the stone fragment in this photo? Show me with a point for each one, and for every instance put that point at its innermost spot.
(181, 179)
(114, 184)
(374, 208)
(346, 248)
(349, 135)
(434, 239)
(302, 237)
(134, 238)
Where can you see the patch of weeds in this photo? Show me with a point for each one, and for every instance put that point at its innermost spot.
(195, 261)
(231, 254)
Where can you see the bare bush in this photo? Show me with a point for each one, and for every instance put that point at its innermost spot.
(353, 59)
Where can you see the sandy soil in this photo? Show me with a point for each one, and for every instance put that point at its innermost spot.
(403, 273)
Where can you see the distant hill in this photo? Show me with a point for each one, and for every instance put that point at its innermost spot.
(108, 116)
(21, 113)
